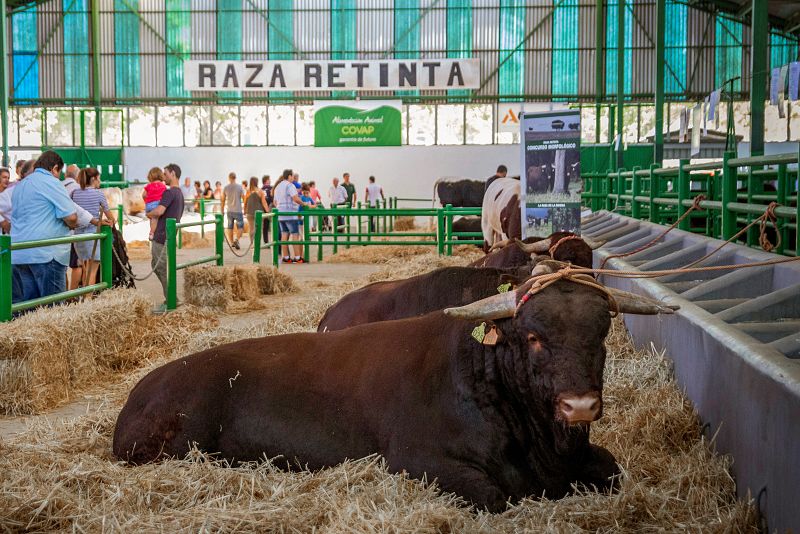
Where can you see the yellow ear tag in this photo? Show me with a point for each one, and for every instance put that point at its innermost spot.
(503, 288)
(479, 332)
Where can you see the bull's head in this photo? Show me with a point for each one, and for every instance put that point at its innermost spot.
(554, 350)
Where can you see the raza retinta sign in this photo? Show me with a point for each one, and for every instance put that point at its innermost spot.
(393, 74)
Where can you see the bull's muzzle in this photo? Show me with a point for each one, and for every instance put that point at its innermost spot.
(574, 409)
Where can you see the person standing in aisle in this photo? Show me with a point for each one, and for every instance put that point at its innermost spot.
(231, 201)
(373, 193)
(351, 190)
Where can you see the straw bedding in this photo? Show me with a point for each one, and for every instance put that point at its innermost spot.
(49, 354)
(404, 224)
(63, 477)
(233, 288)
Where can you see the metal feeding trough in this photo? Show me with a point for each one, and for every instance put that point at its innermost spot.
(735, 343)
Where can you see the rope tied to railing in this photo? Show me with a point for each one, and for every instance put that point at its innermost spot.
(694, 207)
(567, 273)
(763, 240)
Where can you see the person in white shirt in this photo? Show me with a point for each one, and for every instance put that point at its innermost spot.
(188, 193)
(287, 199)
(338, 196)
(373, 194)
(70, 177)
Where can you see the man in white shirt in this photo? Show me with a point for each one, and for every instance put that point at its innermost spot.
(188, 193)
(373, 194)
(338, 196)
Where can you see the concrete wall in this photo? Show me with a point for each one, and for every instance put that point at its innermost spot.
(407, 171)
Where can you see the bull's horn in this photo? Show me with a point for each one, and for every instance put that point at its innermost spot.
(500, 244)
(638, 304)
(538, 247)
(594, 244)
(545, 267)
(500, 306)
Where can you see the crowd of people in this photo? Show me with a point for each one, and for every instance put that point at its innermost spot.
(40, 205)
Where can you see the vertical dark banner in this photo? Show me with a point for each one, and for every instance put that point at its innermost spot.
(551, 172)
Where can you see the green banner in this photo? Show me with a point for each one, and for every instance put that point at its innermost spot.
(341, 125)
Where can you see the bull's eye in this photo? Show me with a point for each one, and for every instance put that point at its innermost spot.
(535, 341)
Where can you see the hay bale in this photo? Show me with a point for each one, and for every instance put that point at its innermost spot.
(271, 281)
(400, 268)
(48, 352)
(404, 224)
(208, 286)
(226, 288)
(193, 240)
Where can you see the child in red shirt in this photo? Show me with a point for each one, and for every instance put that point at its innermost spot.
(152, 194)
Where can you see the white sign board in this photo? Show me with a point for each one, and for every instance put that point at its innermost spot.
(372, 75)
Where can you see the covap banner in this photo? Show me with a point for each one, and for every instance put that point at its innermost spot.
(357, 123)
(551, 177)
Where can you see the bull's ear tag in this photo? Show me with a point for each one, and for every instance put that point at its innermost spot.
(491, 336)
(479, 332)
(503, 288)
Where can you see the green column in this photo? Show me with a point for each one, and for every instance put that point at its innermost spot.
(620, 76)
(661, 28)
(599, 83)
(4, 82)
(728, 195)
(96, 96)
(172, 271)
(683, 193)
(219, 238)
(758, 88)
(259, 219)
(5, 270)
(106, 252)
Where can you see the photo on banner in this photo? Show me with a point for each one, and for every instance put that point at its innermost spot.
(551, 177)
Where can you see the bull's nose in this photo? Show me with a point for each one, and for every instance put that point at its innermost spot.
(580, 408)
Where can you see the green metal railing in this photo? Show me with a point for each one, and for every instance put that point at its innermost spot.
(173, 266)
(661, 195)
(8, 308)
(343, 221)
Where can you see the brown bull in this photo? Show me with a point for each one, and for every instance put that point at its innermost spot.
(492, 421)
(513, 253)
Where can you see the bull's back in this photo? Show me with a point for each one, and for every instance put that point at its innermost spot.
(312, 398)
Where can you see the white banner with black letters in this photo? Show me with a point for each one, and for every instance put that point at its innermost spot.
(372, 75)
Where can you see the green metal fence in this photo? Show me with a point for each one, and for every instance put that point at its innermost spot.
(372, 226)
(173, 266)
(8, 308)
(734, 191)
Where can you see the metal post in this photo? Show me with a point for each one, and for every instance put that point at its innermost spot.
(661, 12)
(120, 217)
(653, 215)
(599, 63)
(172, 270)
(335, 224)
(320, 223)
(5, 274)
(202, 217)
(259, 219)
(620, 77)
(728, 195)
(219, 239)
(96, 87)
(781, 199)
(306, 235)
(358, 206)
(448, 225)
(106, 256)
(440, 231)
(797, 215)
(276, 237)
(636, 209)
(683, 193)
(758, 87)
(4, 88)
